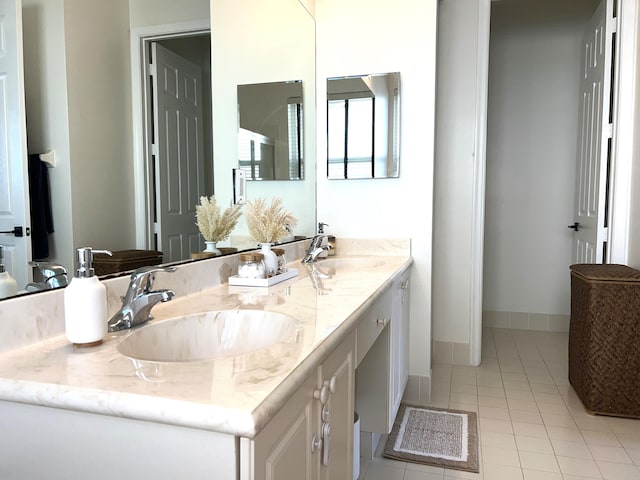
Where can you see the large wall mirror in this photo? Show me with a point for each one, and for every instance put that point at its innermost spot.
(80, 76)
(363, 123)
(270, 134)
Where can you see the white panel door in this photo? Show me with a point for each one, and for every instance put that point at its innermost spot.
(14, 187)
(593, 141)
(178, 152)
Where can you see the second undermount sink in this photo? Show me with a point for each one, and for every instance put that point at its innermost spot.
(363, 262)
(208, 335)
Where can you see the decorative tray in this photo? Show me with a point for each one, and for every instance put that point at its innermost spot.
(263, 282)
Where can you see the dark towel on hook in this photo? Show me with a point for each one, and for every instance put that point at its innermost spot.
(40, 201)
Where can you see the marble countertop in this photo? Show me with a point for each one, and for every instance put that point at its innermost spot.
(235, 395)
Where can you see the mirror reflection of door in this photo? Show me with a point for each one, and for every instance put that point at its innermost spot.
(180, 166)
(363, 126)
(14, 199)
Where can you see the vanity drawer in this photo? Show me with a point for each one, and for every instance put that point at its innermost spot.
(371, 325)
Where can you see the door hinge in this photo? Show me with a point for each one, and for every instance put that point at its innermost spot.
(609, 130)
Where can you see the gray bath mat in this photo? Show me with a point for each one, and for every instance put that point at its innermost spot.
(435, 436)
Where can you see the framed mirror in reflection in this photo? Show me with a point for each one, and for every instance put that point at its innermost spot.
(270, 134)
(363, 126)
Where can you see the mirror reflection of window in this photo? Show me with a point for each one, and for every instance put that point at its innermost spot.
(351, 140)
(270, 136)
(295, 138)
(363, 124)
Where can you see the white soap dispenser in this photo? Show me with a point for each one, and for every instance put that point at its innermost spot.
(8, 284)
(85, 303)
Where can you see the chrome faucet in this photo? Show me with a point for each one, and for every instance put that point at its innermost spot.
(53, 276)
(140, 299)
(317, 275)
(315, 248)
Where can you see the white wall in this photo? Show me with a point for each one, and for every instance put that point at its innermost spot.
(47, 116)
(159, 12)
(535, 64)
(78, 104)
(99, 106)
(258, 42)
(357, 37)
(455, 143)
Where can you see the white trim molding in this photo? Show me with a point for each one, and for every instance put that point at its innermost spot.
(624, 125)
(479, 183)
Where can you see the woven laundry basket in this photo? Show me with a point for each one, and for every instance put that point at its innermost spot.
(123, 260)
(604, 338)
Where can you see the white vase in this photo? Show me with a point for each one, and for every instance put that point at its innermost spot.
(270, 259)
(210, 247)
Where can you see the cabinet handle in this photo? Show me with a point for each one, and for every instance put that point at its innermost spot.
(383, 321)
(321, 394)
(325, 413)
(326, 433)
(405, 285)
(316, 443)
(331, 383)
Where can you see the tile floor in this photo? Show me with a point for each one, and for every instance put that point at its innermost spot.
(532, 425)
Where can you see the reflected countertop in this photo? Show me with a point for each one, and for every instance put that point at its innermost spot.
(236, 395)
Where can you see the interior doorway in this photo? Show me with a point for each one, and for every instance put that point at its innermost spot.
(624, 114)
(162, 166)
(532, 138)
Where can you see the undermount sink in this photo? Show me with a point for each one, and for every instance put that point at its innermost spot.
(208, 335)
(349, 262)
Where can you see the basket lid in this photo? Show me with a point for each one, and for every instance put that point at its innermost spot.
(127, 255)
(606, 272)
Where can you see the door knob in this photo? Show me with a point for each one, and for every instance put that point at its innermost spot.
(575, 226)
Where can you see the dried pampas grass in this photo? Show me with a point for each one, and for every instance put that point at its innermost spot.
(268, 223)
(216, 227)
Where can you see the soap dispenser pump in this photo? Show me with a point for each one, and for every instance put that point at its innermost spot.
(85, 303)
(8, 284)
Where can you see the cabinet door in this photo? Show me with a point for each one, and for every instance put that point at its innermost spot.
(399, 343)
(283, 450)
(337, 372)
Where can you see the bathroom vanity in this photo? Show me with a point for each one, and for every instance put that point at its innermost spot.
(281, 411)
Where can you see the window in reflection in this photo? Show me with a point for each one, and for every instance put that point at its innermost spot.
(270, 136)
(295, 139)
(350, 141)
(363, 124)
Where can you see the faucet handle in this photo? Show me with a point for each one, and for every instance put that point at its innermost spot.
(48, 269)
(142, 278)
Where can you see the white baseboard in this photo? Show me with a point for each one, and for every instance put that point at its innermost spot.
(526, 321)
(418, 391)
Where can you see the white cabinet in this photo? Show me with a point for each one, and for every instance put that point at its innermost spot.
(337, 373)
(382, 373)
(311, 437)
(40, 442)
(283, 448)
(399, 343)
(371, 324)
